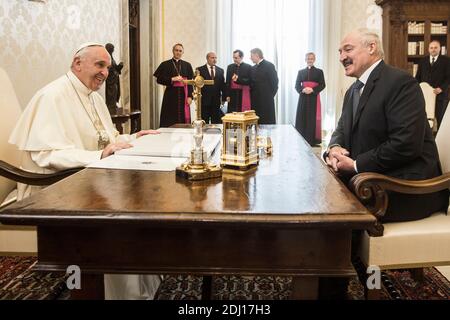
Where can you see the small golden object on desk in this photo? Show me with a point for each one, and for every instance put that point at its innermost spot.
(198, 167)
(239, 142)
(265, 144)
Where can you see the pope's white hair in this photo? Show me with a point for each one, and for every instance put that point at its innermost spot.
(83, 51)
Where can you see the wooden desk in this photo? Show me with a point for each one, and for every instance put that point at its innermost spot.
(290, 217)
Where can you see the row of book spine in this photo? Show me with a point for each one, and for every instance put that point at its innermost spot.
(419, 28)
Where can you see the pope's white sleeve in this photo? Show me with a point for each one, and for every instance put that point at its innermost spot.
(65, 159)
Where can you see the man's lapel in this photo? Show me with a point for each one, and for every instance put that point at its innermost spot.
(368, 88)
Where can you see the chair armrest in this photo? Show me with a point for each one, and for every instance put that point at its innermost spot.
(35, 179)
(370, 188)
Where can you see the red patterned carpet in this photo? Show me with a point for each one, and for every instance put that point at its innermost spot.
(19, 282)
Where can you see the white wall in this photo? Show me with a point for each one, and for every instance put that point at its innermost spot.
(37, 40)
(184, 22)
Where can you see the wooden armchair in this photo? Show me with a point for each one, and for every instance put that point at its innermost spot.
(405, 245)
(16, 240)
(430, 104)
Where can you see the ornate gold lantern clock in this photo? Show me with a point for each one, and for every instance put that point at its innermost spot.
(239, 145)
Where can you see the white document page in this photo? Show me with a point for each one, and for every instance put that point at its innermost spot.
(138, 163)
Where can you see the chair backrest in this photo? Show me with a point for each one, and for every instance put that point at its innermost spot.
(430, 99)
(10, 113)
(443, 141)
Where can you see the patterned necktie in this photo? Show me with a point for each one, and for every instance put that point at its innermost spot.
(357, 86)
(212, 72)
(432, 61)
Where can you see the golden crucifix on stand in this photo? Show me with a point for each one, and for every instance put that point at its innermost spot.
(197, 167)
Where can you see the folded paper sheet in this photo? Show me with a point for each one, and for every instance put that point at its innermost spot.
(138, 163)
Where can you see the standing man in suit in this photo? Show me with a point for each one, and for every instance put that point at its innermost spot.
(435, 70)
(264, 87)
(383, 127)
(238, 84)
(212, 95)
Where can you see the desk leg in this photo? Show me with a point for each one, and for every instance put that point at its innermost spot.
(207, 288)
(305, 288)
(333, 288)
(92, 288)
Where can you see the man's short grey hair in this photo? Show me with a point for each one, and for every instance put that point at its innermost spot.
(310, 54)
(209, 53)
(257, 51)
(436, 41)
(371, 36)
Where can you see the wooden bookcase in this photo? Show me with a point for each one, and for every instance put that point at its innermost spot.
(413, 23)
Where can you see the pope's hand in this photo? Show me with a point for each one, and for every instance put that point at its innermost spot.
(146, 132)
(189, 101)
(113, 147)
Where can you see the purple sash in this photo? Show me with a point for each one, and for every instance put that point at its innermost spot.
(246, 105)
(187, 109)
(312, 84)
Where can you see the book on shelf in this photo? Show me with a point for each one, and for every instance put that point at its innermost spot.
(443, 50)
(438, 28)
(412, 68)
(421, 47)
(415, 48)
(412, 48)
(416, 27)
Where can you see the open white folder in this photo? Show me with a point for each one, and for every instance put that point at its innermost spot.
(172, 142)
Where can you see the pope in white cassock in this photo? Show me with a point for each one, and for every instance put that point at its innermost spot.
(67, 125)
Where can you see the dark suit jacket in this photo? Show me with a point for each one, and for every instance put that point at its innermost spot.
(212, 95)
(438, 75)
(264, 87)
(390, 135)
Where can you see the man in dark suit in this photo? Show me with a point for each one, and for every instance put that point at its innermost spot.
(212, 96)
(435, 70)
(383, 127)
(264, 87)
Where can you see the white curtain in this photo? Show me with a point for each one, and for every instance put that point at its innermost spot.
(325, 31)
(285, 31)
(278, 28)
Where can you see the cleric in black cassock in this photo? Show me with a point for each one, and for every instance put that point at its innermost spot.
(310, 82)
(177, 96)
(264, 87)
(238, 84)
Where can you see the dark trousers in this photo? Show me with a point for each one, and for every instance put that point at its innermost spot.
(212, 114)
(441, 107)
